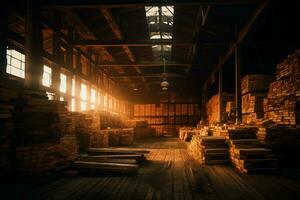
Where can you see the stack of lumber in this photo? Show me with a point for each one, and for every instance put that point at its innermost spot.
(210, 149)
(212, 107)
(7, 125)
(254, 89)
(186, 133)
(119, 137)
(235, 132)
(282, 103)
(255, 83)
(87, 129)
(109, 120)
(285, 142)
(247, 154)
(45, 138)
(111, 160)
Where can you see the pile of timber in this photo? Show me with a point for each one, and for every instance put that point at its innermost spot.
(285, 142)
(135, 123)
(44, 136)
(212, 107)
(119, 137)
(144, 132)
(111, 161)
(282, 104)
(87, 129)
(209, 150)
(7, 125)
(247, 154)
(186, 133)
(254, 89)
(109, 120)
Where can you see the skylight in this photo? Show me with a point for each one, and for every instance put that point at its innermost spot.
(160, 23)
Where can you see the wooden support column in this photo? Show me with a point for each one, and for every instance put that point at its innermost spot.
(238, 98)
(3, 39)
(220, 90)
(33, 46)
(204, 100)
(69, 53)
(56, 53)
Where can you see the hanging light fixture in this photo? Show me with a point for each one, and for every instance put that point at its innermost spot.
(164, 84)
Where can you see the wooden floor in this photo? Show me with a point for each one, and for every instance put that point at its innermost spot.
(170, 174)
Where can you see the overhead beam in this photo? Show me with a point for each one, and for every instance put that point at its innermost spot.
(115, 28)
(141, 43)
(131, 3)
(149, 64)
(170, 75)
(241, 35)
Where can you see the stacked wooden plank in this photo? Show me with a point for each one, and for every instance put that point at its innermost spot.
(254, 89)
(144, 132)
(87, 130)
(186, 133)
(210, 149)
(111, 160)
(45, 138)
(119, 137)
(212, 107)
(282, 103)
(7, 126)
(285, 142)
(247, 154)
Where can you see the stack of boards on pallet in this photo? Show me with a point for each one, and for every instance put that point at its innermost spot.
(283, 102)
(247, 154)
(87, 129)
(209, 149)
(119, 137)
(38, 132)
(254, 88)
(111, 160)
(141, 129)
(186, 133)
(285, 142)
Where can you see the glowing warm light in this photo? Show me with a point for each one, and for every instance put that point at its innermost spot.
(63, 83)
(73, 105)
(83, 91)
(73, 87)
(83, 106)
(61, 98)
(47, 76)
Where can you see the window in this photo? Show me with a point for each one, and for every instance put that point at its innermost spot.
(93, 98)
(63, 83)
(83, 96)
(83, 91)
(73, 87)
(61, 98)
(83, 106)
(47, 80)
(15, 63)
(73, 105)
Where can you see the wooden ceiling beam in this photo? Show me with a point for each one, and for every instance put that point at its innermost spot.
(115, 28)
(149, 64)
(141, 43)
(131, 3)
(240, 37)
(168, 75)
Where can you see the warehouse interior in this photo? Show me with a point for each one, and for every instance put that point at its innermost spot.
(128, 99)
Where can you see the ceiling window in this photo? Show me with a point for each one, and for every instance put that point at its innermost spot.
(47, 76)
(160, 22)
(15, 63)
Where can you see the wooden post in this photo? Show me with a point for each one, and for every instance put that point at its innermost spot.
(204, 100)
(238, 84)
(3, 39)
(33, 46)
(69, 53)
(56, 53)
(220, 89)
